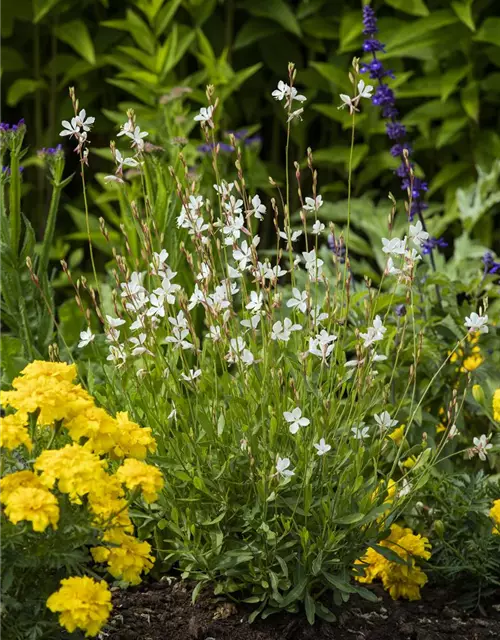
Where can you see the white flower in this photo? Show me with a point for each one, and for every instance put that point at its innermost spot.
(298, 301)
(139, 345)
(83, 122)
(364, 91)
(322, 345)
(282, 468)
(192, 375)
(256, 302)
(158, 262)
(259, 209)
(417, 233)
(114, 322)
(179, 321)
(116, 353)
(360, 432)
(295, 95)
(137, 138)
(374, 333)
(295, 114)
(347, 102)
(452, 432)
(313, 264)
(179, 338)
(283, 330)
(243, 255)
(295, 420)
(215, 333)
(384, 420)
(70, 128)
(322, 447)
(274, 273)
(224, 189)
(157, 307)
(167, 290)
(313, 204)
(86, 337)
(282, 91)
(205, 115)
(317, 315)
(395, 246)
(391, 269)
(317, 228)
(294, 236)
(475, 322)
(113, 179)
(252, 323)
(405, 489)
(238, 352)
(121, 161)
(126, 128)
(481, 446)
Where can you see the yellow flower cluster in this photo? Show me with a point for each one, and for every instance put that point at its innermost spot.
(26, 498)
(400, 580)
(83, 603)
(49, 388)
(495, 516)
(126, 556)
(14, 431)
(473, 359)
(136, 474)
(496, 405)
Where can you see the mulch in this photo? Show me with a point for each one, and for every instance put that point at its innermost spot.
(163, 611)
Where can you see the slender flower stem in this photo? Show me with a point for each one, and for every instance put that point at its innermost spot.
(15, 202)
(49, 231)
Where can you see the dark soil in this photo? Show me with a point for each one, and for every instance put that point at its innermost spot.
(163, 611)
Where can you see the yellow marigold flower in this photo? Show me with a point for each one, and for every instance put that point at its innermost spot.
(132, 440)
(472, 362)
(496, 405)
(83, 603)
(495, 515)
(18, 480)
(38, 506)
(107, 503)
(14, 432)
(126, 561)
(135, 473)
(398, 434)
(402, 581)
(76, 469)
(97, 427)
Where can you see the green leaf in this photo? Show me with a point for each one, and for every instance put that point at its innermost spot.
(352, 518)
(21, 88)
(338, 583)
(321, 27)
(12, 60)
(464, 12)
(414, 7)
(42, 7)
(310, 608)
(254, 30)
(388, 554)
(13, 361)
(449, 130)
(165, 16)
(447, 174)
(489, 31)
(277, 10)
(351, 27)
(333, 73)
(451, 79)
(470, 100)
(76, 35)
(340, 155)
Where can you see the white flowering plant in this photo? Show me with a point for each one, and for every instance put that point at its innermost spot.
(284, 393)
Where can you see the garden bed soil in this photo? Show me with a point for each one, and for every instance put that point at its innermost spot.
(163, 611)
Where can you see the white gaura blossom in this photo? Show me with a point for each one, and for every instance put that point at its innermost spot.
(205, 116)
(117, 354)
(178, 339)
(294, 235)
(256, 301)
(167, 290)
(239, 353)
(384, 420)
(313, 204)
(299, 300)
(295, 420)
(180, 321)
(374, 333)
(282, 331)
(258, 209)
(475, 322)
(289, 94)
(86, 337)
(313, 264)
(252, 323)
(192, 375)
(391, 269)
(322, 447)
(157, 307)
(139, 344)
(317, 228)
(417, 234)
(318, 315)
(360, 432)
(364, 91)
(158, 262)
(282, 468)
(137, 136)
(394, 247)
(481, 447)
(70, 128)
(322, 344)
(243, 253)
(225, 188)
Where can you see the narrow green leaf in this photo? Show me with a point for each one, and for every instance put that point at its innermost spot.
(277, 10)
(77, 36)
(464, 12)
(21, 88)
(470, 100)
(414, 7)
(489, 31)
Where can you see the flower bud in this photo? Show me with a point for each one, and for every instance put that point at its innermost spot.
(439, 528)
(478, 393)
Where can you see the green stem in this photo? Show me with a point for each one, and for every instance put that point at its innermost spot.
(15, 202)
(49, 232)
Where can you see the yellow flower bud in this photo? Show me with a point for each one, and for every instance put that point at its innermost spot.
(478, 393)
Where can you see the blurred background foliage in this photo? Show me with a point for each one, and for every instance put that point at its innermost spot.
(445, 56)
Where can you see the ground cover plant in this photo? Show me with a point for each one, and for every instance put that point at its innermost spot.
(310, 381)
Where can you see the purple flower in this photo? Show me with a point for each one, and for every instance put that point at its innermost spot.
(400, 310)
(490, 265)
(376, 69)
(433, 243)
(239, 135)
(372, 45)
(256, 139)
(369, 21)
(336, 247)
(207, 148)
(383, 96)
(398, 149)
(395, 130)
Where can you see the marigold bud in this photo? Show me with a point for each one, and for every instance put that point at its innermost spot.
(478, 393)
(439, 528)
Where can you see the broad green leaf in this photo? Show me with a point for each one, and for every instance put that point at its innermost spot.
(277, 10)
(463, 9)
(334, 74)
(447, 174)
(137, 28)
(416, 30)
(449, 129)
(470, 100)
(76, 35)
(165, 15)
(351, 27)
(352, 518)
(21, 88)
(414, 7)
(433, 110)
(310, 608)
(321, 27)
(42, 7)
(338, 583)
(254, 30)
(12, 60)
(451, 79)
(340, 155)
(489, 31)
